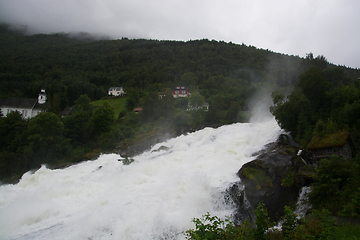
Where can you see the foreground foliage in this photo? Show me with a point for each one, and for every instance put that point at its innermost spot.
(319, 225)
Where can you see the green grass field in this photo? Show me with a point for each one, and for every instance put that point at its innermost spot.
(116, 103)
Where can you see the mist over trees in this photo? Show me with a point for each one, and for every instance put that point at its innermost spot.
(76, 72)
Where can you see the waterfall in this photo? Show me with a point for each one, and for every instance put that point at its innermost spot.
(154, 197)
(303, 205)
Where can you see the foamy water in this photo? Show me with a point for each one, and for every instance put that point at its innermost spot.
(155, 197)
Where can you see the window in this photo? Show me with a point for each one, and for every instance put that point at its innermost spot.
(184, 92)
(182, 87)
(176, 92)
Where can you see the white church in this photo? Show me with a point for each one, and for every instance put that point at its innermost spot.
(27, 107)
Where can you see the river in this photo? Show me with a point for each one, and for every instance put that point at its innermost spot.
(155, 197)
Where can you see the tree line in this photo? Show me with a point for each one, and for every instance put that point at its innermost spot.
(26, 144)
(325, 103)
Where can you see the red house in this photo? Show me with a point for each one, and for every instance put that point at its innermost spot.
(181, 92)
(138, 109)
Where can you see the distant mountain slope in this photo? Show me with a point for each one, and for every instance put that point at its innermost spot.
(76, 67)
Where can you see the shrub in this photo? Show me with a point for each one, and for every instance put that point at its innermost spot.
(289, 225)
(347, 232)
(318, 226)
(330, 181)
(290, 179)
(262, 221)
(207, 227)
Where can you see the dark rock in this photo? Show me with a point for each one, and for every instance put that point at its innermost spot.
(286, 139)
(138, 146)
(236, 195)
(271, 178)
(161, 148)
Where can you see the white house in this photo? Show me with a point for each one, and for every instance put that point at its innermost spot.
(116, 91)
(27, 107)
(204, 107)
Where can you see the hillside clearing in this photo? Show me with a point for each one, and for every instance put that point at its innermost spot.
(116, 103)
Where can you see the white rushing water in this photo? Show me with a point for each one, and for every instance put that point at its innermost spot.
(155, 197)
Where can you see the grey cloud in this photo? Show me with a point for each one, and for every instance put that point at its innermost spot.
(298, 27)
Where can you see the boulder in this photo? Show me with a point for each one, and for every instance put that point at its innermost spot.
(161, 148)
(272, 178)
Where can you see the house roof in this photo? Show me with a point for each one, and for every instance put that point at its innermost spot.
(115, 89)
(328, 141)
(41, 106)
(181, 88)
(67, 110)
(13, 102)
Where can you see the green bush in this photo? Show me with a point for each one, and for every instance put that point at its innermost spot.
(318, 225)
(290, 179)
(262, 221)
(207, 227)
(330, 182)
(347, 232)
(289, 224)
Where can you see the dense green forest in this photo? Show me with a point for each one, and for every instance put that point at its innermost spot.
(76, 72)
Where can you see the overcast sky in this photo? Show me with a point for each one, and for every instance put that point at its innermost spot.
(323, 27)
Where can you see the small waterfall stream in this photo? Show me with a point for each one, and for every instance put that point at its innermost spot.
(303, 206)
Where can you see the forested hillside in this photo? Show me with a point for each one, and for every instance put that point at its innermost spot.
(70, 67)
(73, 67)
(76, 71)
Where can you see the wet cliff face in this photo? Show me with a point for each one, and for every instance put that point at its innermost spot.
(271, 178)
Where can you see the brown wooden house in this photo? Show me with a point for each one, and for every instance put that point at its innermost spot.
(339, 144)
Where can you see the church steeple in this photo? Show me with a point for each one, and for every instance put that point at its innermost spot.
(42, 96)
